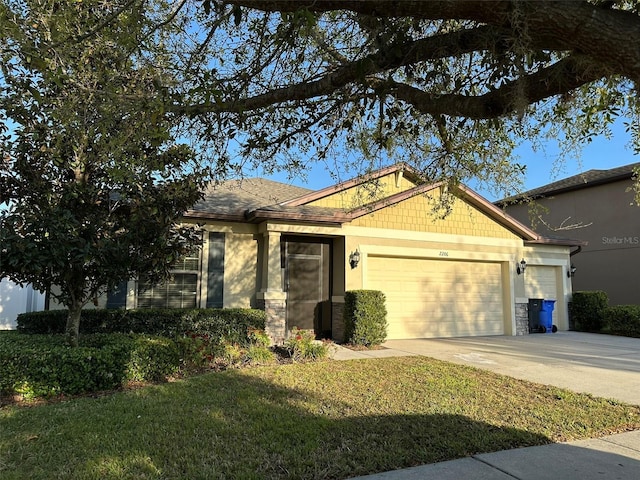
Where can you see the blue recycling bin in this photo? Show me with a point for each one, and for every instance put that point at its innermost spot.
(546, 317)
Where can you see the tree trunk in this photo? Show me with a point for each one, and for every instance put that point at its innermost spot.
(72, 330)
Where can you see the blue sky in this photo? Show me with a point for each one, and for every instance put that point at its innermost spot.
(542, 167)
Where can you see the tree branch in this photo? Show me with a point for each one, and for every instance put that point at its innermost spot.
(577, 26)
(439, 46)
(562, 77)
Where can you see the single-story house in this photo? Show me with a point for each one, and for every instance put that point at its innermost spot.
(598, 207)
(294, 252)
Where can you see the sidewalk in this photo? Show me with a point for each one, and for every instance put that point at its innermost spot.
(615, 457)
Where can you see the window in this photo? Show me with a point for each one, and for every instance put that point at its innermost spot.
(117, 298)
(180, 291)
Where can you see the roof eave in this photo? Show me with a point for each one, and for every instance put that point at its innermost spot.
(556, 191)
(224, 217)
(497, 214)
(340, 187)
(563, 242)
(392, 200)
(257, 216)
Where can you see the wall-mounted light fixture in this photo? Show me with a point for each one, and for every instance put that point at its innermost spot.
(521, 267)
(354, 258)
(571, 271)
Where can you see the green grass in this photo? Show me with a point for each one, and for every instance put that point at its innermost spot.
(319, 420)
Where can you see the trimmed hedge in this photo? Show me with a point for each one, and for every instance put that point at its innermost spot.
(587, 310)
(222, 324)
(365, 317)
(43, 365)
(623, 320)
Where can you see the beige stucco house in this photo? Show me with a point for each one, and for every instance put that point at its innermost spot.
(292, 252)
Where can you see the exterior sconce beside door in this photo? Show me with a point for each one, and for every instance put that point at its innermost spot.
(354, 258)
(571, 271)
(521, 267)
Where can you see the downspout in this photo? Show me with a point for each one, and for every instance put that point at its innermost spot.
(575, 252)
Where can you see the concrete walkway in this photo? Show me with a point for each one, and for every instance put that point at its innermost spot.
(615, 457)
(602, 365)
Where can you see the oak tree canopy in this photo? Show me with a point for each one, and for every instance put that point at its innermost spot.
(448, 86)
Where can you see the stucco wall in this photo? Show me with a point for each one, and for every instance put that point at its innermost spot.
(240, 270)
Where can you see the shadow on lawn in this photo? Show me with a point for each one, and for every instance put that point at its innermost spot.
(233, 425)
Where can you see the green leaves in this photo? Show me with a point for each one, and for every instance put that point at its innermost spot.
(97, 183)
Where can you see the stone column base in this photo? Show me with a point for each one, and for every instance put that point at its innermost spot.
(275, 306)
(337, 319)
(522, 319)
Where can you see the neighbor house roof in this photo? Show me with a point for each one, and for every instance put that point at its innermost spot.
(256, 200)
(587, 179)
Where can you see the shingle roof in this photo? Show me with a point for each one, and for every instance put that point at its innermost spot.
(235, 197)
(255, 200)
(587, 179)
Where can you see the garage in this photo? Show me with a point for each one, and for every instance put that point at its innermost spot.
(438, 298)
(540, 282)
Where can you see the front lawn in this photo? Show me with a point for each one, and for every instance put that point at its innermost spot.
(319, 420)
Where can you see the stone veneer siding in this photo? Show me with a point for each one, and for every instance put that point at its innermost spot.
(275, 324)
(337, 320)
(522, 319)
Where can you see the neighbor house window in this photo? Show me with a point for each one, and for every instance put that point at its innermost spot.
(179, 291)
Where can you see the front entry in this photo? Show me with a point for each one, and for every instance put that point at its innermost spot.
(307, 263)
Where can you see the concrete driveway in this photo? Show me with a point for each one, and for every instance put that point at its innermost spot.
(603, 365)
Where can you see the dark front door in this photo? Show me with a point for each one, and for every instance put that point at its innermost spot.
(307, 282)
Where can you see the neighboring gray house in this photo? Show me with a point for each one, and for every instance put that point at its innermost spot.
(598, 207)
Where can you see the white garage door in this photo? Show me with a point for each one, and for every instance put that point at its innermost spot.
(540, 282)
(438, 298)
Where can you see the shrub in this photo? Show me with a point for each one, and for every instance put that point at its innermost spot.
(39, 365)
(221, 324)
(302, 345)
(258, 337)
(365, 317)
(623, 320)
(587, 310)
(259, 355)
(232, 354)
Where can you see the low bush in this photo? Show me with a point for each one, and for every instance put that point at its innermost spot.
(303, 346)
(259, 355)
(365, 317)
(623, 320)
(43, 365)
(587, 310)
(221, 324)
